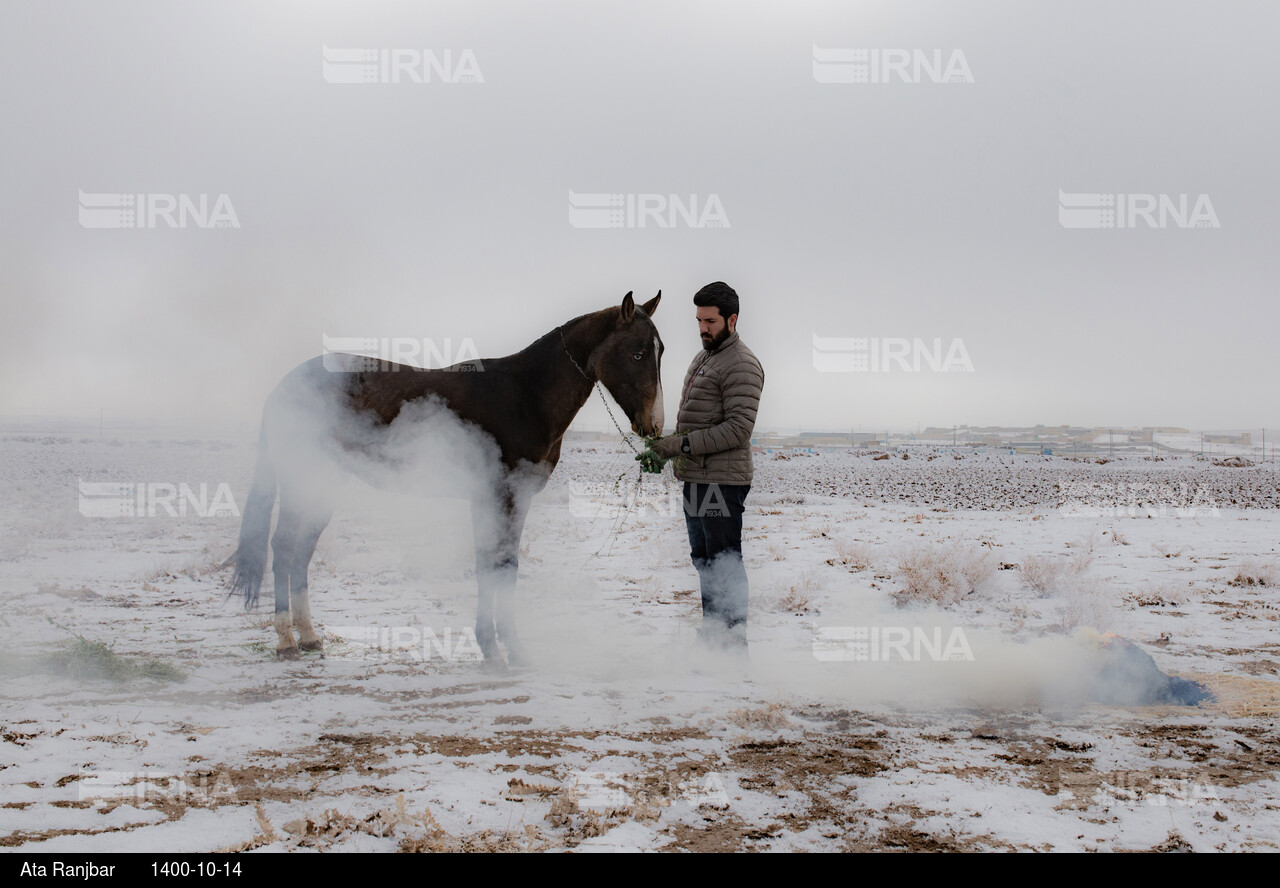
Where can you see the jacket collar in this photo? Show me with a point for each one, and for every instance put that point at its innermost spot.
(733, 338)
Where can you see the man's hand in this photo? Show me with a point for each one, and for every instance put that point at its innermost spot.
(665, 447)
(658, 452)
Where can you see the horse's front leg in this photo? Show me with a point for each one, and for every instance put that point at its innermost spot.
(485, 525)
(506, 619)
(495, 619)
(498, 526)
(518, 507)
(486, 633)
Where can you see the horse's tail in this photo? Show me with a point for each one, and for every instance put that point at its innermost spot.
(250, 558)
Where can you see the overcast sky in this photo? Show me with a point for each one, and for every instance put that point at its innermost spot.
(441, 210)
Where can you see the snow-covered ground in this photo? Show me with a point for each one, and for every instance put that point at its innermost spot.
(622, 735)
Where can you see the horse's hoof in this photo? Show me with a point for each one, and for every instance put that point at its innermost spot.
(494, 666)
(316, 645)
(519, 658)
(288, 654)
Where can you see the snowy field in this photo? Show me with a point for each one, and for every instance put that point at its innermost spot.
(622, 736)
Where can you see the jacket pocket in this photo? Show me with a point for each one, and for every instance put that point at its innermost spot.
(690, 463)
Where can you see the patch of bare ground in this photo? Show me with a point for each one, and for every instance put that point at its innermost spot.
(727, 833)
(295, 775)
(21, 837)
(1223, 761)
(821, 769)
(1044, 762)
(792, 764)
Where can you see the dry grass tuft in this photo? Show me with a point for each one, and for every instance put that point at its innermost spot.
(943, 574)
(83, 659)
(1239, 696)
(1050, 574)
(853, 555)
(799, 596)
(771, 718)
(1254, 572)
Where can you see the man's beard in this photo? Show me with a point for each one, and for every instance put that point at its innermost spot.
(715, 342)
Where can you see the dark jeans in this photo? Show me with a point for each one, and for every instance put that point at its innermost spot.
(713, 516)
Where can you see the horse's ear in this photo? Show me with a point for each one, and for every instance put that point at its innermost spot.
(652, 305)
(628, 307)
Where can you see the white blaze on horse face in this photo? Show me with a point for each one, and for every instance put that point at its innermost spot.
(657, 403)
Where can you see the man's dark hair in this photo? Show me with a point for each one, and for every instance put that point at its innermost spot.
(719, 295)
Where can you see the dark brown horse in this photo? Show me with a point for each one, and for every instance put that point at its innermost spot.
(488, 430)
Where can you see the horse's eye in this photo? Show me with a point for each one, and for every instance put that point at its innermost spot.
(639, 356)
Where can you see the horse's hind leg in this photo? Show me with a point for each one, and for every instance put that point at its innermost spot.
(306, 505)
(311, 527)
(284, 544)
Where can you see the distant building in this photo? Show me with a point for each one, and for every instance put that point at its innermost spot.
(824, 439)
(1245, 438)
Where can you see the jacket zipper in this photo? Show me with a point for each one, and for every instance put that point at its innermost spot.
(684, 396)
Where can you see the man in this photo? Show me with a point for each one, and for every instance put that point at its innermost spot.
(712, 451)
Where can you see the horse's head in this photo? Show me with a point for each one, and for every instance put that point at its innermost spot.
(629, 363)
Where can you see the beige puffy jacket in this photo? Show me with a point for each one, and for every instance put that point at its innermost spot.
(718, 404)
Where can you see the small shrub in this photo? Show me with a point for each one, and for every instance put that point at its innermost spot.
(799, 597)
(1049, 574)
(943, 575)
(855, 556)
(1254, 572)
(85, 659)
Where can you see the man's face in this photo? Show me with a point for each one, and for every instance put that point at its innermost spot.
(713, 328)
